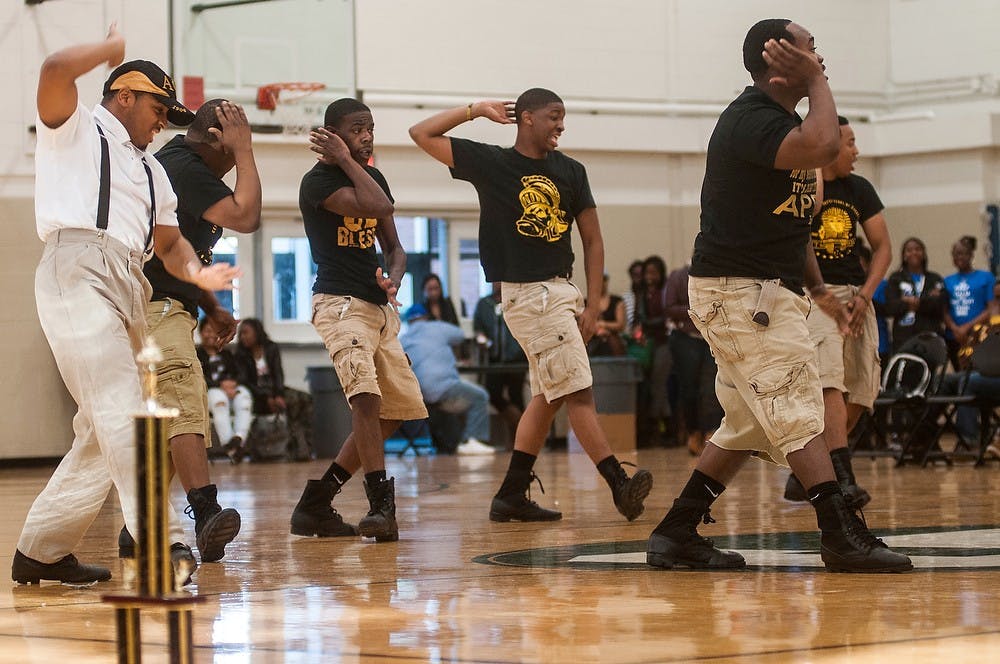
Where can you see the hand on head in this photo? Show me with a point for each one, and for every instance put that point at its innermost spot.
(234, 134)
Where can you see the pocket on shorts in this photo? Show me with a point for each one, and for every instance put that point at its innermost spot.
(553, 367)
(351, 361)
(173, 377)
(713, 323)
(784, 398)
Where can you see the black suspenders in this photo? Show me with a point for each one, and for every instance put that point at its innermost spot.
(104, 193)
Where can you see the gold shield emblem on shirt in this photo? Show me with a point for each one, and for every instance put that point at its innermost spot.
(542, 217)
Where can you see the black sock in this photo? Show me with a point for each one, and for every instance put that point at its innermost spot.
(841, 458)
(375, 478)
(518, 475)
(610, 469)
(336, 473)
(700, 489)
(820, 496)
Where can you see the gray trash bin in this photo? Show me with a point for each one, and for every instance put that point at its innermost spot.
(331, 414)
(615, 381)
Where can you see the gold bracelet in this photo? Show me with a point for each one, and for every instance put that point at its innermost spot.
(468, 113)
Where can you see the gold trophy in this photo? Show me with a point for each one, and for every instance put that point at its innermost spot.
(151, 568)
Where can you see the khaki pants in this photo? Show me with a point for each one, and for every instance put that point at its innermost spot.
(91, 297)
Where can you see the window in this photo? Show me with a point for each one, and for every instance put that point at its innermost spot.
(226, 251)
(294, 275)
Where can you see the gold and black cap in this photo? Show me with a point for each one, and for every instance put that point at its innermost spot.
(145, 76)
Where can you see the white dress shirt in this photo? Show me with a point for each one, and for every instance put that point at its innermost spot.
(68, 174)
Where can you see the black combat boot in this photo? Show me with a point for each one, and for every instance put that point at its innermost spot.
(513, 500)
(214, 527)
(794, 491)
(847, 545)
(314, 517)
(380, 522)
(629, 492)
(677, 542)
(856, 496)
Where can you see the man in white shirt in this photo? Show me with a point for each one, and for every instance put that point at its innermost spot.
(101, 203)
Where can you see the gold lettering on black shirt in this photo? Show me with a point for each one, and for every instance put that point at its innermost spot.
(357, 232)
(802, 201)
(542, 217)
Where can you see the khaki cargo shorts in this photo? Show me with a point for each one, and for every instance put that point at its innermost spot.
(180, 379)
(847, 364)
(767, 383)
(542, 317)
(363, 341)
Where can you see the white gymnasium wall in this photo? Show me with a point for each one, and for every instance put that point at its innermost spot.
(657, 72)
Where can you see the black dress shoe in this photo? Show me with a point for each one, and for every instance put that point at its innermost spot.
(65, 570)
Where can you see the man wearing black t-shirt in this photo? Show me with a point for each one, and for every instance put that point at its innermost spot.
(217, 140)
(848, 365)
(746, 299)
(346, 206)
(529, 196)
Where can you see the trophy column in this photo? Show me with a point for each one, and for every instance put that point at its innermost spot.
(151, 569)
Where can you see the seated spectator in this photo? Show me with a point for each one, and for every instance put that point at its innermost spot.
(437, 304)
(428, 343)
(230, 403)
(259, 362)
(636, 286)
(915, 298)
(506, 390)
(607, 340)
(970, 292)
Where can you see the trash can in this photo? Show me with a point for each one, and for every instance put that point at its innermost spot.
(331, 414)
(615, 381)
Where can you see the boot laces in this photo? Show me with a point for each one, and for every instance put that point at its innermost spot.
(541, 487)
(857, 530)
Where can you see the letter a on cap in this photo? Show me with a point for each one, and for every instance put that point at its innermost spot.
(167, 85)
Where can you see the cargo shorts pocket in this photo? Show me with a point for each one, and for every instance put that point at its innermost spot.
(352, 362)
(173, 377)
(783, 397)
(713, 323)
(550, 355)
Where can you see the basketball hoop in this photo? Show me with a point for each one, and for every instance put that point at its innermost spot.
(280, 99)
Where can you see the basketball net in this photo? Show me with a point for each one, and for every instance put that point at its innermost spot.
(285, 102)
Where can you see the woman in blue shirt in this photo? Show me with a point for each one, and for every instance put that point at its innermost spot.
(969, 293)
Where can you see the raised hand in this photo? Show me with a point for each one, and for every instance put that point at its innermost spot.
(218, 276)
(388, 285)
(235, 134)
(116, 42)
(501, 112)
(791, 66)
(329, 148)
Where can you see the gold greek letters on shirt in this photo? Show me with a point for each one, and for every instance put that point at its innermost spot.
(357, 232)
(801, 204)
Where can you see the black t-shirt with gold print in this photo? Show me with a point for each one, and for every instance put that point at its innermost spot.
(526, 209)
(755, 219)
(847, 203)
(342, 247)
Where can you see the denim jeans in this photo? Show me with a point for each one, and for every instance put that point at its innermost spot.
(471, 399)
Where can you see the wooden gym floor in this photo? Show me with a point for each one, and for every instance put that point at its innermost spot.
(458, 588)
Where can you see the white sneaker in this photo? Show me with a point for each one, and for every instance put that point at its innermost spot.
(474, 447)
